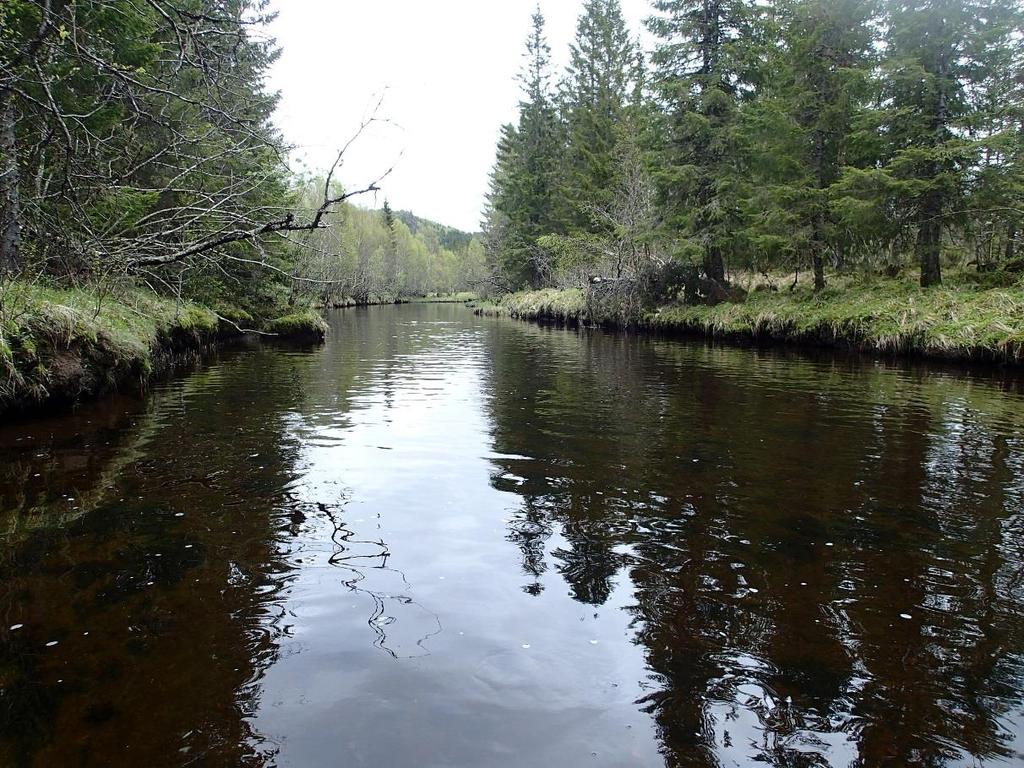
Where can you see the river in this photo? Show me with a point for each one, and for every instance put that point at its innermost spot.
(445, 540)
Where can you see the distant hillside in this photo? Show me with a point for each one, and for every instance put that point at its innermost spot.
(449, 237)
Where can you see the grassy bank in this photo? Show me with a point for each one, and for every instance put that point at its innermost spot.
(305, 325)
(961, 322)
(62, 345)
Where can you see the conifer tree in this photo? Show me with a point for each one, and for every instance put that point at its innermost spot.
(599, 86)
(707, 63)
(940, 54)
(820, 81)
(523, 201)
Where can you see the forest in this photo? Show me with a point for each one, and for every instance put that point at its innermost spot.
(147, 199)
(285, 479)
(830, 141)
(757, 156)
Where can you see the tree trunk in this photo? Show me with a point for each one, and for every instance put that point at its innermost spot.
(819, 269)
(818, 253)
(929, 232)
(1011, 241)
(10, 204)
(714, 264)
(929, 239)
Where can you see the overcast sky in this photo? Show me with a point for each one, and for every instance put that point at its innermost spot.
(447, 69)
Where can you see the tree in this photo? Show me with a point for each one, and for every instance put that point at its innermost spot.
(390, 248)
(940, 55)
(599, 84)
(805, 117)
(706, 65)
(137, 139)
(523, 200)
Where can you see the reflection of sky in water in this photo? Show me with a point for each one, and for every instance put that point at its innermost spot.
(480, 661)
(445, 540)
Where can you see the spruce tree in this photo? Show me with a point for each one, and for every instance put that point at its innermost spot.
(706, 64)
(598, 88)
(523, 200)
(940, 54)
(821, 77)
(538, 137)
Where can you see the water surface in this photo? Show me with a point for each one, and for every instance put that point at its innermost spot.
(443, 540)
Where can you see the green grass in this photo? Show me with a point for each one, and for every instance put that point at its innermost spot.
(962, 321)
(304, 324)
(567, 306)
(62, 343)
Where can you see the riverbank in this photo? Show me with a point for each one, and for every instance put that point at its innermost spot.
(59, 346)
(889, 317)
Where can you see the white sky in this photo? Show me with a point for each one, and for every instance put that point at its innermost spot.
(447, 70)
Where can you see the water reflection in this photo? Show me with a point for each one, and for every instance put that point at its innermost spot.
(824, 555)
(137, 626)
(447, 540)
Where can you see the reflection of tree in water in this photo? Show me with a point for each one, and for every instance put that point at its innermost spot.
(165, 596)
(56, 470)
(779, 515)
(529, 529)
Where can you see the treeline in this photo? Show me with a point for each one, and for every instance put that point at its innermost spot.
(789, 134)
(383, 255)
(137, 147)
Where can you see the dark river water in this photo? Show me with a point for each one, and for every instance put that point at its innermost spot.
(444, 540)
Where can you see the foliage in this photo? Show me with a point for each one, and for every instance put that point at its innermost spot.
(840, 135)
(371, 256)
(65, 342)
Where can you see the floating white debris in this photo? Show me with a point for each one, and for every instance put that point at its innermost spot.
(179, 514)
(526, 645)
(829, 544)
(15, 627)
(906, 616)
(51, 644)
(593, 642)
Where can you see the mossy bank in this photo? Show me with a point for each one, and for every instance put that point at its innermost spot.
(891, 317)
(59, 346)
